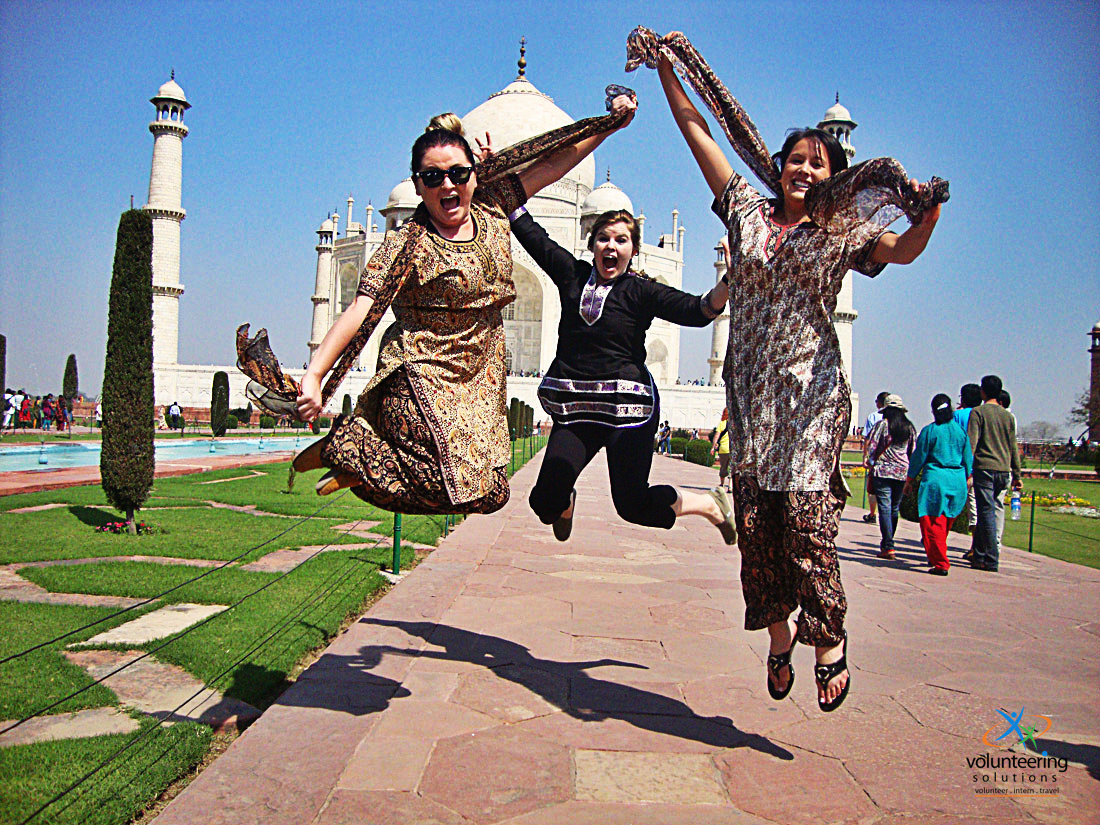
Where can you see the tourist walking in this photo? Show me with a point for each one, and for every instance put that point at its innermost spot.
(429, 433)
(970, 396)
(992, 433)
(943, 462)
(720, 446)
(786, 389)
(869, 479)
(888, 449)
(598, 390)
(9, 409)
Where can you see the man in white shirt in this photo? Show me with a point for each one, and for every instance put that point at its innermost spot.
(869, 425)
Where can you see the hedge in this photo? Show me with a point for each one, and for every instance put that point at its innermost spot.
(267, 422)
(231, 422)
(698, 452)
(676, 445)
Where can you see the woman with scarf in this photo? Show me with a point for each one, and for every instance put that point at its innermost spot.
(787, 393)
(429, 433)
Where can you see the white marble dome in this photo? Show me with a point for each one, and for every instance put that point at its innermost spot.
(171, 91)
(519, 111)
(605, 198)
(837, 112)
(403, 196)
(327, 226)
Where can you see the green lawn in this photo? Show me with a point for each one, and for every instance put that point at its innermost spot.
(1068, 537)
(251, 651)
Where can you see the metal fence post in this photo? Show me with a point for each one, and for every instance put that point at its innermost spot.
(396, 543)
(1031, 527)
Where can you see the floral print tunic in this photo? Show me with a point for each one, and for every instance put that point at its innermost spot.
(788, 397)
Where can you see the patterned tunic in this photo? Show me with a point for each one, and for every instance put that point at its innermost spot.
(788, 397)
(448, 338)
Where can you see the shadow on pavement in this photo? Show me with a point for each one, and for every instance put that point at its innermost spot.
(568, 686)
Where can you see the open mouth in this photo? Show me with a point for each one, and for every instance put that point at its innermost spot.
(449, 202)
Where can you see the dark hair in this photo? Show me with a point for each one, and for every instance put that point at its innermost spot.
(970, 395)
(991, 386)
(440, 132)
(898, 423)
(838, 159)
(881, 397)
(941, 408)
(1004, 399)
(616, 216)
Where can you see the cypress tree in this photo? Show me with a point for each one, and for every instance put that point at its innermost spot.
(126, 460)
(70, 385)
(346, 410)
(219, 404)
(3, 362)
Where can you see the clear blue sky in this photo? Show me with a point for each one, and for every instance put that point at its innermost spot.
(296, 105)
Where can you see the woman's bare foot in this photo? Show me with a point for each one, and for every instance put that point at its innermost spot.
(309, 458)
(835, 686)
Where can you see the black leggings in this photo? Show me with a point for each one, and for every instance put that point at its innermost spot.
(629, 457)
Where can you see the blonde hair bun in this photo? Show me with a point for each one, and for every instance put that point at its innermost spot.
(449, 121)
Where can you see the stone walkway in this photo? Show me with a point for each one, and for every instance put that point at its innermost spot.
(510, 678)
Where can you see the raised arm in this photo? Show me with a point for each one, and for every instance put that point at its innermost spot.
(716, 169)
(332, 346)
(553, 167)
(906, 247)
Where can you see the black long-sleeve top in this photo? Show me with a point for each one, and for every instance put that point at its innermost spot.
(606, 355)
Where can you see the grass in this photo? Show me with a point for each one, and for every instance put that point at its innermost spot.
(251, 651)
(1061, 536)
(34, 774)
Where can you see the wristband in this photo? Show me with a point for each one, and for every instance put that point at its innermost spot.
(519, 213)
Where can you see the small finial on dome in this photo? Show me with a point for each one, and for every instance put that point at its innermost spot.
(522, 62)
(838, 97)
(173, 74)
(609, 174)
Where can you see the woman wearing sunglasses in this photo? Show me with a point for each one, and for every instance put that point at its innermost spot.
(429, 433)
(788, 396)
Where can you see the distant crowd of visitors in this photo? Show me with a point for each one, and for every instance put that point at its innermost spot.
(23, 411)
(967, 455)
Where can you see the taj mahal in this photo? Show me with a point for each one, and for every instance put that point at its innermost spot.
(567, 210)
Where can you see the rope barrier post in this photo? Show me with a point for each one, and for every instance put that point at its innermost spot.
(1031, 527)
(396, 544)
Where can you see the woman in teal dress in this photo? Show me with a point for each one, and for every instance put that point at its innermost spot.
(943, 462)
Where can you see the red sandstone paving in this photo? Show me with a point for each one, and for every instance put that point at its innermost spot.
(790, 790)
(351, 807)
(453, 668)
(497, 774)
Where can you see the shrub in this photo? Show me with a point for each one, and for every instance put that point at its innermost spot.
(297, 424)
(70, 382)
(677, 444)
(324, 422)
(678, 432)
(126, 459)
(231, 422)
(698, 452)
(219, 403)
(267, 422)
(242, 414)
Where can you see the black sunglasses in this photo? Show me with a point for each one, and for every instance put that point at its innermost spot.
(434, 177)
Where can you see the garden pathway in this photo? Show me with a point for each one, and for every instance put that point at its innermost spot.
(510, 678)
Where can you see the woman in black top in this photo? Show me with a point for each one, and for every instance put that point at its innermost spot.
(598, 390)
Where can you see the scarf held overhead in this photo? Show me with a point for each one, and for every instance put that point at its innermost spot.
(275, 391)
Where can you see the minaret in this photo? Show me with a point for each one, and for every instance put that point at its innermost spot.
(321, 313)
(1094, 386)
(838, 122)
(720, 328)
(165, 187)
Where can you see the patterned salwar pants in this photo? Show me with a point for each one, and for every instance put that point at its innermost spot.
(387, 443)
(787, 541)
